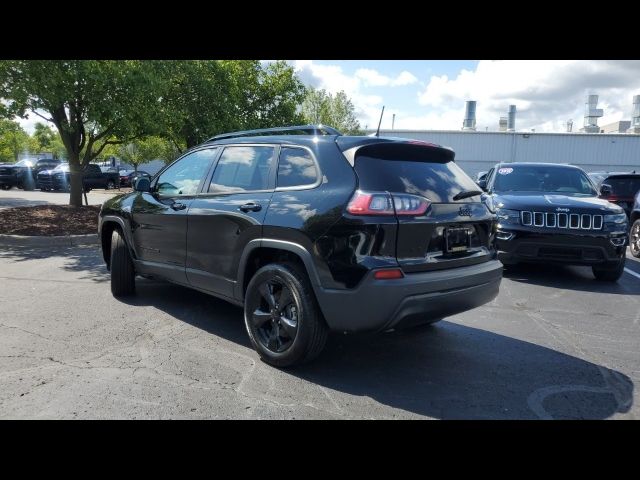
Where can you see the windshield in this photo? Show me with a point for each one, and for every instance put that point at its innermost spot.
(62, 167)
(541, 178)
(24, 163)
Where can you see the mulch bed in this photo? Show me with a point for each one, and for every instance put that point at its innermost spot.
(49, 220)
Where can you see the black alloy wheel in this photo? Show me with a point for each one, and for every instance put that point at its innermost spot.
(276, 318)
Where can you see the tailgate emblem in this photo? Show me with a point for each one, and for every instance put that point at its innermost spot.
(465, 212)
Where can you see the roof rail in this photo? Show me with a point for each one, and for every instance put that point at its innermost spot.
(293, 130)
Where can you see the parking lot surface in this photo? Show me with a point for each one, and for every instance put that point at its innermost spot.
(555, 344)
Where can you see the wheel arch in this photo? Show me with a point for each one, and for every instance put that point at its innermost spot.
(268, 251)
(108, 225)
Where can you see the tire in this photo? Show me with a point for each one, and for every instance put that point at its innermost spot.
(111, 185)
(44, 189)
(6, 187)
(609, 274)
(280, 349)
(634, 239)
(122, 272)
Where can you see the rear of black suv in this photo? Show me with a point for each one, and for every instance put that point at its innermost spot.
(410, 250)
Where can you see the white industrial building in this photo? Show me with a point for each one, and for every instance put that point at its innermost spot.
(479, 151)
(593, 149)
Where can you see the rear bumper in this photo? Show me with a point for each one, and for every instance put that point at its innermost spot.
(417, 298)
(570, 249)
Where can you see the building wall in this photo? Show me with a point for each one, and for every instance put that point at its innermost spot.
(478, 151)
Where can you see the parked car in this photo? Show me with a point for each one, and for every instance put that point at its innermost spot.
(618, 187)
(60, 178)
(24, 174)
(126, 179)
(6, 176)
(310, 233)
(552, 213)
(634, 234)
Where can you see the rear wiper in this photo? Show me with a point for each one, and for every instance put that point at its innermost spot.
(466, 194)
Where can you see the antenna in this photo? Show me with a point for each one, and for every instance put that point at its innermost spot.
(381, 114)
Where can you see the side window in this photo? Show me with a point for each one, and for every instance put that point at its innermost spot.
(184, 176)
(94, 170)
(243, 169)
(296, 168)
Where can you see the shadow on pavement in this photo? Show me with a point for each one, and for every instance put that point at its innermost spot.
(447, 371)
(81, 259)
(569, 278)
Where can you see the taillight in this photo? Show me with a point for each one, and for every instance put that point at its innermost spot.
(370, 203)
(385, 203)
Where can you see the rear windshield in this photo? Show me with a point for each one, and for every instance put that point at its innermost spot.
(541, 178)
(624, 186)
(438, 180)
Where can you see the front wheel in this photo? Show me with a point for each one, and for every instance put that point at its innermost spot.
(6, 187)
(111, 185)
(634, 239)
(282, 316)
(609, 274)
(123, 274)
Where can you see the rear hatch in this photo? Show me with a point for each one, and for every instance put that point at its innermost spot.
(450, 232)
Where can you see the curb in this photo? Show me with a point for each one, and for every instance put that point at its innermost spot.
(42, 241)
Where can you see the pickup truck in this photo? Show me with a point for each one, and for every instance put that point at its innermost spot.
(60, 179)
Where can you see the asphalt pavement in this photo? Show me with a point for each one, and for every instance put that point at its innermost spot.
(555, 344)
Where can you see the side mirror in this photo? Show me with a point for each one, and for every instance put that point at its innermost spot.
(142, 185)
(605, 190)
(483, 184)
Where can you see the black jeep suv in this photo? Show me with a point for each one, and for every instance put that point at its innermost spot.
(552, 213)
(310, 232)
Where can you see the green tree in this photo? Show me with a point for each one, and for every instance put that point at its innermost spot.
(92, 103)
(146, 150)
(48, 140)
(13, 141)
(335, 111)
(202, 98)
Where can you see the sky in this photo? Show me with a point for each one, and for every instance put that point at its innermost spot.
(431, 94)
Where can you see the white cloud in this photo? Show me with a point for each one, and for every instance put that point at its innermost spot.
(333, 79)
(546, 93)
(372, 78)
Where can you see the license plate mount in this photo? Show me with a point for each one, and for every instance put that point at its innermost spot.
(456, 239)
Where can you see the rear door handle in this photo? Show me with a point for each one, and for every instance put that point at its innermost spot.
(178, 206)
(251, 207)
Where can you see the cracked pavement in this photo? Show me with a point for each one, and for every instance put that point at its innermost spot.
(554, 344)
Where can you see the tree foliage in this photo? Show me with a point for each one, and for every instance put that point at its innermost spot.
(321, 107)
(92, 103)
(14, 141)
(147, 149)
(48, 140)
(202, 98)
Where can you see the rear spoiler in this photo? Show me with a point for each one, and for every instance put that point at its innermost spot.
(383, 147)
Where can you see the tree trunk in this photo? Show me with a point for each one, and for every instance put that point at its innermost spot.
(75, 198)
